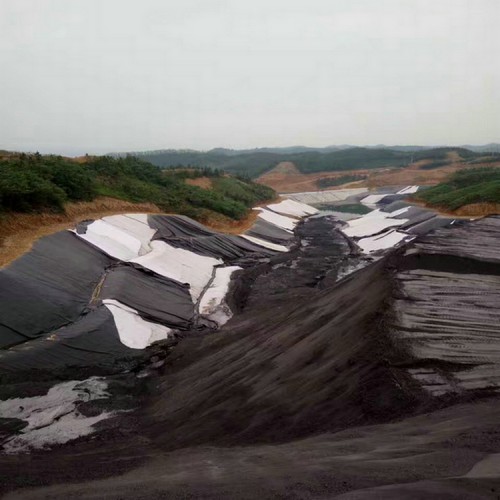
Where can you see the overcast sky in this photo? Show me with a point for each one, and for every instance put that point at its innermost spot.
(119, 75)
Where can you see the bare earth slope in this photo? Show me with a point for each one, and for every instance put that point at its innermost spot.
(18, 231)
(286, 178)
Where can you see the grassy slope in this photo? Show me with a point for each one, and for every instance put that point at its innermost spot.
(465, 187)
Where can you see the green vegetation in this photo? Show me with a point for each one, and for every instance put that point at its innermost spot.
(39, 183)
(442, 153)
(249, 165)
(34, 182)
(338, 181)
(494, 158)
(475, 185)
(434, 164)
(350, 159)
(256, 162)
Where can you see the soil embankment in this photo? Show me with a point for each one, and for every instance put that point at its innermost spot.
(19, 231)
(473, 210)
(478, 210)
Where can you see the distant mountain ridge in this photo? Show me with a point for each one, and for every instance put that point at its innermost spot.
(492, 147)
(254, 162)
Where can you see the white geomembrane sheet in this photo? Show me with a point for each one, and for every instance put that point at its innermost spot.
(325, 196)
(212, 303)
(180, 265)
(135, 332)
(372, 199)
(293, 208)
(408, 190)
(135, 227)
(383, 241)
(278, 220)
(371, 225)
(265, 243)
(112, 240)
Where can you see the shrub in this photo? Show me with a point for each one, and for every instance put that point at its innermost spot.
(464, 187)
(23, 190)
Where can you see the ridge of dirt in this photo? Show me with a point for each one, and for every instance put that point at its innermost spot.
(202, 182)
(479, 209)
(471, 211)
(19, 231)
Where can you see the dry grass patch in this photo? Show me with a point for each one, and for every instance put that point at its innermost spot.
(230, 226)
(202, 182)
(479, 209)
(18, 232)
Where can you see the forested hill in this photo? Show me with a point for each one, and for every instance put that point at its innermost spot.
(36, 183)
(252, 163)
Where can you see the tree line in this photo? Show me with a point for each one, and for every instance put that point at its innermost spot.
(34, 182)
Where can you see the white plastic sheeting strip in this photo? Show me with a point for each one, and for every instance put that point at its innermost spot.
(371, 229)
(278, 220)
(401, 211)
(383, 241)
(137, 228)
(372, 225)
(408, 190)
(293, 208)
(212, 303)
(53, 418)
(344, 216)
(374, 214)
(372, 199)
(374, 222)
(325, 196)
(180, 265)
(265, 244)
(135, 332)
(143, 218)
(112, 240)
(379, 214)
